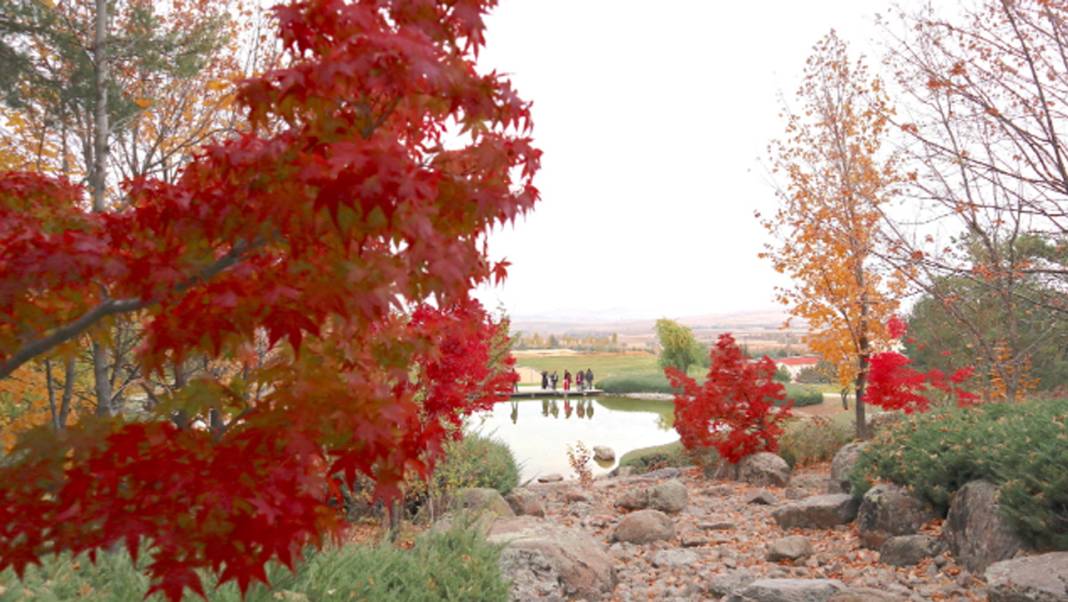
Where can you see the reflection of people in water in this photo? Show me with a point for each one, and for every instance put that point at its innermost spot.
(581, 409)
(545, 408)
(515, 411)
(567, 408)
(555, 410)
(589, 409)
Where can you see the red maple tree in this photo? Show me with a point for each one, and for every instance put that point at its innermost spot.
(894, 385)
(734, 410)
(344, 230)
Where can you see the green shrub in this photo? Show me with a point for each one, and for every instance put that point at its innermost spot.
(477, 461)
(782, 375)
(1021, 447)
(811, 440)
(645, 459)
(456, 565)
(803, 396)
(636, 383)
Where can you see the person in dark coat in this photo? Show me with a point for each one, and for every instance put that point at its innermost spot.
(553, 378)
(544, 379)
(589, 378)
(578, 380)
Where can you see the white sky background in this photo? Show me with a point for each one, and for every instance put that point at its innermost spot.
(654, 118)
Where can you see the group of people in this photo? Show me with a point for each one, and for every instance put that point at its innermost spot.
(583, 380)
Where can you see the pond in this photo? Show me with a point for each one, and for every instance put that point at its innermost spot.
(540, 430)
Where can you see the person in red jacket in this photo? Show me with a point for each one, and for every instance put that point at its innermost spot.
(567, 381)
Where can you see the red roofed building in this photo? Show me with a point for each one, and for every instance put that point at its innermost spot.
(794, 365)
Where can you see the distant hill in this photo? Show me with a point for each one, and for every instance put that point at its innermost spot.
(759, 326)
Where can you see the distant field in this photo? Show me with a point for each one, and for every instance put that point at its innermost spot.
(633, 372)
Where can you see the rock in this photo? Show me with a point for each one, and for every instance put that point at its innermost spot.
(817, 512)
(717, 525)
(842, 464)
(644, 526)
(284, 595)
(790, 590)
(603, 453)
(793, 547)
(551, 478)
(633, 499)
(662, 473)
(669, 497)
(764, 469)
(546, 561)
(525, 502)
(865, 594)
(1042, 578)
(573, 496)
(907, 550)
(622, 471)
(482, 500)
(889, 510)
(674, 558)
(975, 530)
(730, 582)
(762, 497)
(693, 539)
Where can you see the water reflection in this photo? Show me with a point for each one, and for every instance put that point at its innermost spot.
(540, 441)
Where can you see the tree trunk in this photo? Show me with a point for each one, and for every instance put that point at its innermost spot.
(98, 179)
(862, 380)
(102, 382)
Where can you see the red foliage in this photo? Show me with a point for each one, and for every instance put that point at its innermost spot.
(893, 385)
(734, 410)
(339, 226)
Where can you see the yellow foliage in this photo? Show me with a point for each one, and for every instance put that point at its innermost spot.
(838, 182)
(23, 403)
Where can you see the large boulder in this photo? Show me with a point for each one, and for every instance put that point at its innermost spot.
(633, 499)
(545, 561)
(670, 496)
(764, 469)
(1042, 578)
(975, 531)
(907, 550)
(793, 547)
(788, 590)
(842, 465)
(525, 502)
(482, 500)
(817, 512)
(731, 582)
(644, 526)
(889, 510)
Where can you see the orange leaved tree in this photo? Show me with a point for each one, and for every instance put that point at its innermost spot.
(838, 181)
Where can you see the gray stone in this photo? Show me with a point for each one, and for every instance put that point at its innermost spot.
(1042, 578)
(717, 525)
(976, 532)
(907, 550)
(663, 473)
(669, 497)
(817, 512)
(481, 500)
(525, 502)
(551, 478)
(730, 582)
(790, 590)
(842, 464)
(644, 526)
(603, 453)
(764, 469)
(573, 496)
(793, 547)
(762, 497)
(889, 510)
(546, 561)
(674, 557)
(866, 594)
(633, 499)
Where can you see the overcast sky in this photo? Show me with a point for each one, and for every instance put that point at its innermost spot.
(653, 117)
